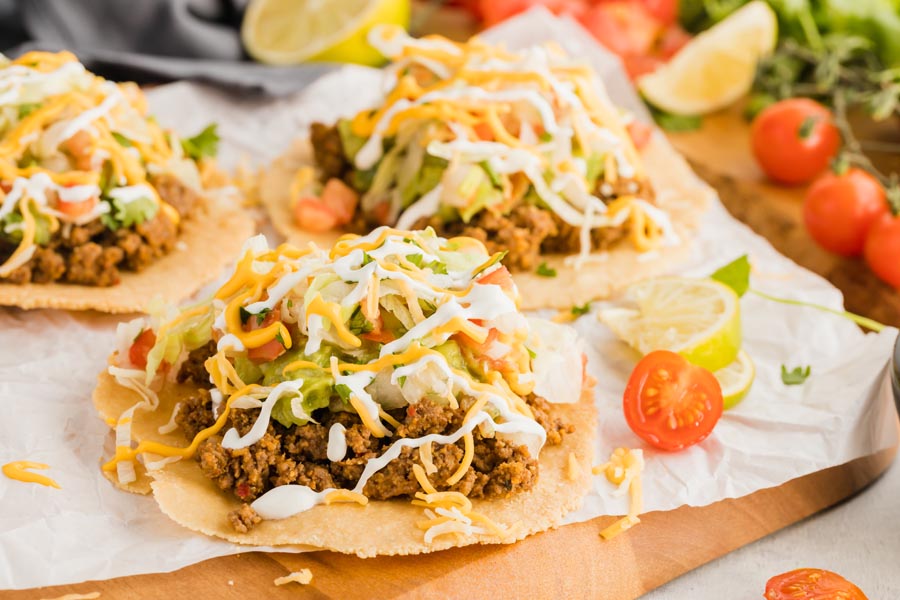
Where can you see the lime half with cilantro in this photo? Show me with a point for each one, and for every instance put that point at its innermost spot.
(700, 319)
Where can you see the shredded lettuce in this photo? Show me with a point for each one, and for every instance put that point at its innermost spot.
(185, 336)
(317, 390)
(350, 142)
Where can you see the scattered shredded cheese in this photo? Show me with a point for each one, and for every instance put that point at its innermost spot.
(624, 470)
(303, 577)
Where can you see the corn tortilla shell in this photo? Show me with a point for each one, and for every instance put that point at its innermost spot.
(380, 528)
(678, 192)
(208, 241)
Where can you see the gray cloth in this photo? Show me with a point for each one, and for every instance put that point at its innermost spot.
(150, 41)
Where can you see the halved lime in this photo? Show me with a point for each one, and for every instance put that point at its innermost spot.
(697, 318)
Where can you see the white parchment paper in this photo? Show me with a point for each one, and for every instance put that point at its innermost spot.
(88, 530)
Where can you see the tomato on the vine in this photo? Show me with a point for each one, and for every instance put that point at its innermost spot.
(882, 249)
(839, 210)
(794, 140)
(811, 584)
(670, 403)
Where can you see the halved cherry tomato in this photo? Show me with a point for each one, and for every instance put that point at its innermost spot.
(670, 403)
(76, 209)
(626, 28)
(665, 11)
(499, 277)
(640, 133)
(811, 584)
(141, 347)
(794, 140)
(882, 249)
(341, 199)
(312, 215)
(839, 210)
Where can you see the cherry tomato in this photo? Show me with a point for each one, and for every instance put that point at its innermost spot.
(495, 11)
(794, 140)
(670, 403)
(311, 214)
(639, 64)
(640, 133)
(673, 39)
(141, 347)
(76, 209)
(882, 249)
(665, 11)
(341, 199)
(811, 584)
(626, 28)
(839, 210)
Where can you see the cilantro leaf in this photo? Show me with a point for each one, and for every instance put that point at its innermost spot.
(359, 324)
(205, 143)
(245, 315)
(735, 275)
(261, 315)
(795, 377)
(531, 352)
(280, 339)
(546, 271)
(581, 310)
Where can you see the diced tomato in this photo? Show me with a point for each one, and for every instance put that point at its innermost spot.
(242, 490)
(635, 66)
(673, 39)
(141, 347)
(626, 28)
(484, 132)
(495, 11)
(499, 277)
(80, 148)
(76, 209)
(382, 336)
(312, 215)
(640, 133)
(267, 352)
(341, 199)
(253, 321)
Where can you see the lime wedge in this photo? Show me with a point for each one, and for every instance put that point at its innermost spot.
(717, 67)
(697, 318)
(736, 379)
(284, 32)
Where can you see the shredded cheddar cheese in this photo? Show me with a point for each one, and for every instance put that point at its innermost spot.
(303, 577)
(624, 470)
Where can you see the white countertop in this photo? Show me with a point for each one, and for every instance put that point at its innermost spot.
(859, 538)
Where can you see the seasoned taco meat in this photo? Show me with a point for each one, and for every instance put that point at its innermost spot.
(298, 454)
(328, 151)
(94, 255)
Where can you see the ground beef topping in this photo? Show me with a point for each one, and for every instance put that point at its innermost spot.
(94, 255)
(298, 454)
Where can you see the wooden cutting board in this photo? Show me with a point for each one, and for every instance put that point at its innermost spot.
(573, 562)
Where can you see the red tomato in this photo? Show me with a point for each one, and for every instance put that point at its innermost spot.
(271, 349)
(882, 249)
(76, 209)
(341, 199)
(638, 65)
(665, 11)
(141, 347)
(484, 131)
(312, 215)
(382, 336)
(499, 277)
(670, 403)
(839, 210)
(811, 584)
(673, 39)
(495, 11)
(626, 28)
(794, 140)
(640, 133)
